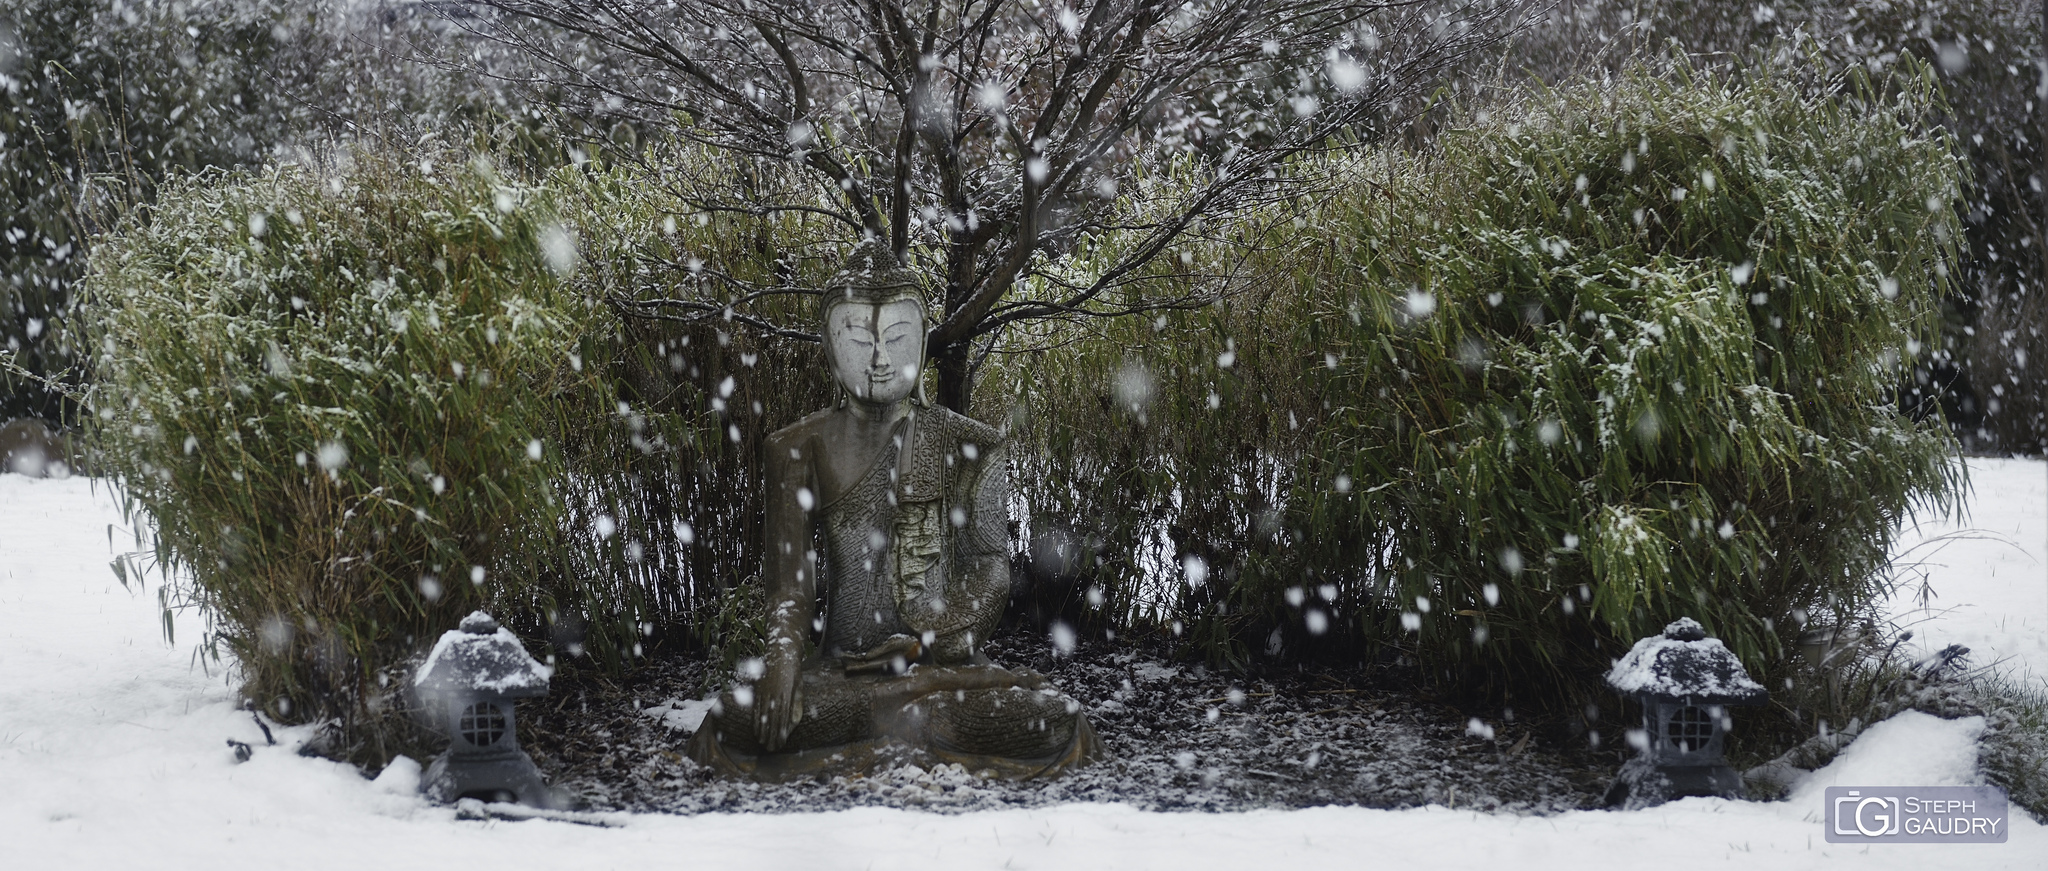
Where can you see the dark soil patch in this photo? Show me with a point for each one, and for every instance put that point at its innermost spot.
(1179, 737)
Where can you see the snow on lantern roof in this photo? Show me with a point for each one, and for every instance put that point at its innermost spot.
(1683, 663)
(482, 657)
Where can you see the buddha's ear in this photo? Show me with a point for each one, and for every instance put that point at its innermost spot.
(917, 396)
(924, 345)
(831, 359)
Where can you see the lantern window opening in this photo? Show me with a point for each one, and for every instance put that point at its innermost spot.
(1689, 729)
(482, 724)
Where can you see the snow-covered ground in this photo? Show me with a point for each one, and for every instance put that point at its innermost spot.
(113, 753)
(1985, 575)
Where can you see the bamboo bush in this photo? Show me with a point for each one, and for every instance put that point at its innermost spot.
(1614, 355)
(1159, 452)
(1630, 356)
(364, 396)
(343, 394)
(698, 393)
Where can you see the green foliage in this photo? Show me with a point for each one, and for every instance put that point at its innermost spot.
(1623, 354)
(1629, 356)
(344, 395)
(1993, 358)
(2015, 750)
(362, 396)
(698, 396)
(1159, 448)
(734, 627)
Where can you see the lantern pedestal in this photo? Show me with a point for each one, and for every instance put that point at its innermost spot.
(1643, 783)
(515, 779)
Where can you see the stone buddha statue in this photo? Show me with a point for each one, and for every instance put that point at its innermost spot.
(886, 567)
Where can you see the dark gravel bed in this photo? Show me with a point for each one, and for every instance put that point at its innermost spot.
(1178, 736)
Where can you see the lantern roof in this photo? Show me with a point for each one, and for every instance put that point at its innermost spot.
(485, 658)
(1683, 663)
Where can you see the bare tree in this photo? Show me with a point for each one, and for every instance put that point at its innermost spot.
(989, 140)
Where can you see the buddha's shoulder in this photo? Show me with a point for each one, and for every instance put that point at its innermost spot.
(959, 428)
(814, 424)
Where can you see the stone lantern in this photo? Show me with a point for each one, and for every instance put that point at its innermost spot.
(468, 686)
(1686, 682)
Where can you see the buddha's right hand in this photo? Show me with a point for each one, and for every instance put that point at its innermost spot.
(778, 701)
(959, 677)
(893, 656)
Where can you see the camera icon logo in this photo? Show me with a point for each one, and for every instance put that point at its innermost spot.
(1872, 816)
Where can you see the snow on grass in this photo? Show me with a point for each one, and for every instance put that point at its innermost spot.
(1982, 580)
(1910, 749)
(113, 753)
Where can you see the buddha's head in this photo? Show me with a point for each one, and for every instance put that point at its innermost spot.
(873, 326)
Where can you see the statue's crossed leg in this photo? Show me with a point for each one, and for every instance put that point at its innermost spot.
(985, 718)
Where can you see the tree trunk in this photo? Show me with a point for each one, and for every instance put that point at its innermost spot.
(956, 381)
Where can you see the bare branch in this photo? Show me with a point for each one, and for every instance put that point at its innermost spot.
(991, 139)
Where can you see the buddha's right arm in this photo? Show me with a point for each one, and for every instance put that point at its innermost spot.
(789, 573)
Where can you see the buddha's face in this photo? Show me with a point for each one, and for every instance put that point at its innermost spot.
(876, 349)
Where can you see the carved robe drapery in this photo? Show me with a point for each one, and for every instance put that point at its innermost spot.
(915, 548)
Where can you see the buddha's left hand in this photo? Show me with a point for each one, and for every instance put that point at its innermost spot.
(778, 701)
